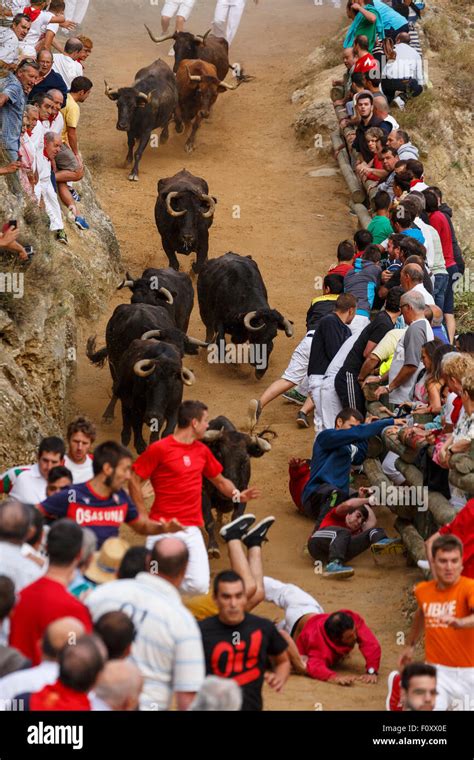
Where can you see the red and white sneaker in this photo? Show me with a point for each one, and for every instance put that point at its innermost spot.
(393, 703)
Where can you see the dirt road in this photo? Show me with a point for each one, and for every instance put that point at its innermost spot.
(290, 223)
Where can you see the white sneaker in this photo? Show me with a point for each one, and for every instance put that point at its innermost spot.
(400, 103)
(171, 52)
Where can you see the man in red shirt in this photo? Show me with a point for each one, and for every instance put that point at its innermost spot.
(79, 668)
(317, 641)
(48, 599)
(440, 223)
(176, 465)
(463, 527)
(364, 60)
(346, 531)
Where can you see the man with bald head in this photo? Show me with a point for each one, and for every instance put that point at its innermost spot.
(118, 687)
(411, 278)
(67, 64)
(48, 78)
(62, 632)
(15, 527)
(167, 646)
(79, 668)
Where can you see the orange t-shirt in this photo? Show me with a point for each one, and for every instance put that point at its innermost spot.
(445, 645)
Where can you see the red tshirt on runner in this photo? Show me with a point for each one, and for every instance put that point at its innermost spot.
(39, 604)
(176, 471)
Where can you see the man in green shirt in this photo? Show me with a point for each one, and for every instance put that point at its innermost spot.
(380, 226)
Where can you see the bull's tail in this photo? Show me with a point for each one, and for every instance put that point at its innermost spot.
(96, 357)
(239, 73)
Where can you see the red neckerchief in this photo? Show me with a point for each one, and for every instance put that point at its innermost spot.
(46, 155)
(57, 696)
(32, 13)
(29, 132)
(52, 118)
(415, 181)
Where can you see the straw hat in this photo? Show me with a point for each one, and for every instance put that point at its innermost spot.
(106, 562)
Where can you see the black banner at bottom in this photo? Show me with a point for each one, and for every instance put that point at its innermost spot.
(375, 734)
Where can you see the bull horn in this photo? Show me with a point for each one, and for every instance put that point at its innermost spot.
(212, 206)
(159, 39)
(212, 435)
(139, 367)
(167, 294)
(109, 91)
(193, 77)
(187, 376)
(151, 334)
(197, 342)
(261, 443)
(202, 38)
(247, 320)
(169, 207)
(230, 86)
(144, 96)
(288, 327)
(127, 282)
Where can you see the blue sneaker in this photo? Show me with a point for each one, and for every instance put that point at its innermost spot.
(337, 570)
(75, 195)
(388, 546)
(81, 223)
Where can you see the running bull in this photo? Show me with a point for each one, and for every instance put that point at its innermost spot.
(207, 47)
(148, 104)
(198, 88)
(233, 450)
(164, 287)
(233, 300)
(131, 322)
(184, 211)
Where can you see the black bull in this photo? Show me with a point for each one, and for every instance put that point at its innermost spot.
(130, 322)
(164, 287)
(233, 300)
(233, 450)
(184, 212)
(148, 104)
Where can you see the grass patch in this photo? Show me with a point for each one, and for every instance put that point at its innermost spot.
(417, 111)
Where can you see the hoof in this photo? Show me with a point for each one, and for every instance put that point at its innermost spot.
(213, 553)
(188, 148)
(179, 128)
(133, 177)
(107, 420)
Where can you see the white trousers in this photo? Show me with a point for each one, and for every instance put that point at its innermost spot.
(314, 387)
(358, 324)
(227, 18)
(455, 687)
(76, 10)
(197, 578)
(388, 466)
(329, 404)
(177, 8)
(292, 599)
(297, 370)
(44, 189)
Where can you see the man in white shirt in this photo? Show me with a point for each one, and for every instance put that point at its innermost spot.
(57, 635)
(30, 485)
(48, 145)
(55, 121)
(80, 437)
(11, 38)
(66, 64)
(411, 279)
(168, 646)
(15, 526)
(326, 403)
(40, 18)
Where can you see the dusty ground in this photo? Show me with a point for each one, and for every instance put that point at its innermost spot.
(290, 223)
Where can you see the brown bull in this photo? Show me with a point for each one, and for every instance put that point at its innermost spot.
(198, 88)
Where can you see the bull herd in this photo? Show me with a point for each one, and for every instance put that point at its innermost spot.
(146, 340)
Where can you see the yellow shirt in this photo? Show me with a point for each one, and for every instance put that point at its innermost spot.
(71, 113)
(201, 606)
